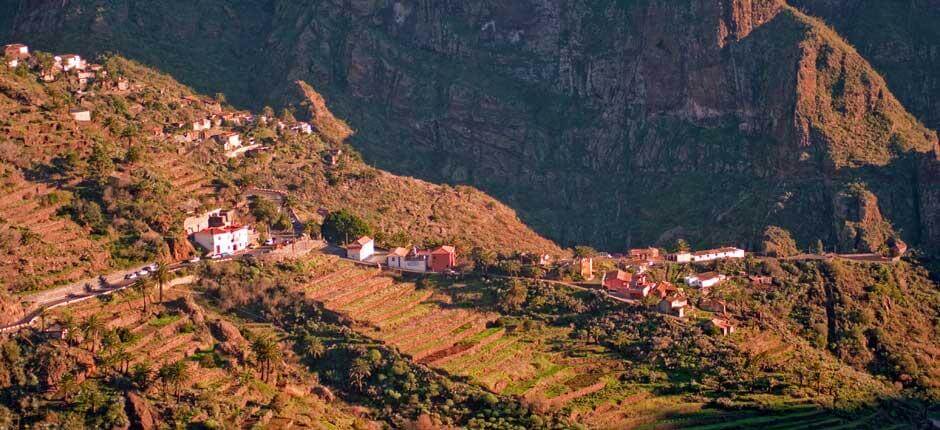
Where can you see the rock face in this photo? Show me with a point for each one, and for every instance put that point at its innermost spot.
(604, 122)
(140, 412)
(230, 339)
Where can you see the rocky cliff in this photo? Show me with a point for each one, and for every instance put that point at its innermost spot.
(611, 122)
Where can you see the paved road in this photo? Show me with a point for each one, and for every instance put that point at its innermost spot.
(45, 297)
(99, 286)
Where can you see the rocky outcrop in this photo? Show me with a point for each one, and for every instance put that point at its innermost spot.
(862, 226)
(901, 40)
(140, 412)
(230, 339)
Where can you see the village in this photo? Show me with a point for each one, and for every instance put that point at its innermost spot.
(220, 234)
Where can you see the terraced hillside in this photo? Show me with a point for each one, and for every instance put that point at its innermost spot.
(81, 198)
(441, 328)
(220, 386)
(608, 365)
(51, 235)
(42, 248)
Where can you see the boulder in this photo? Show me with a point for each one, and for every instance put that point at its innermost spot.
(230, 339)
(140, 412)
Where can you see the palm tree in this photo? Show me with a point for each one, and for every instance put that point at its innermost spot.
(173, 374)
(359, 372)
(143, 285)
(313, 347)
(162, 275)
(267, 351)
(482, 258)
(92, 328)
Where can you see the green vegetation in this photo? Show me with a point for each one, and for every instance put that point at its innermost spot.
(344, 227)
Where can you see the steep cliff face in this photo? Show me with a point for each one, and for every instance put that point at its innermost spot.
(610, 122)
(902, 41)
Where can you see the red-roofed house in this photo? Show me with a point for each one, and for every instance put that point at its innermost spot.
(721, 325)
(617, 280)
(644, 253)
(640, 286)
(405, 259)
(442, 258)
(15, 53)
(664, 289)
(361, 249)
(222, 240)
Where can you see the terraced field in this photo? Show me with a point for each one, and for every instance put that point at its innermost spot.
(542, 364)
(50, 249)
(241, 401)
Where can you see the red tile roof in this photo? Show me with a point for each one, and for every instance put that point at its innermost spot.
(222, 230)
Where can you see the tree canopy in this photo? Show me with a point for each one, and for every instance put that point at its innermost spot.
(343, 227)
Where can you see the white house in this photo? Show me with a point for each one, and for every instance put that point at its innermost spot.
(717, 254)
(220, 240)
(361, 249)
(202, 124)
(680, 257)
(303, 128)
(401, 258)
(15, 53)
(704, 280)
(230, 140)
(70, 61)
(80, 114)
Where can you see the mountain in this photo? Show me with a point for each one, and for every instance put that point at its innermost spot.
(641, 120)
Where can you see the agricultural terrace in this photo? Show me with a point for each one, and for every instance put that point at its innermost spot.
(219, 361)
(555, 350)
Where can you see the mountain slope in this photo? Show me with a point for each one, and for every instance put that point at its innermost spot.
(82, 199)
(701, 120)
(900, 39)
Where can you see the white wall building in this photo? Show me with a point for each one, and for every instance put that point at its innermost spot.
(361, 249)
(230, 141)
(80, 114)
(70, 61)
(220, 240)
(401, 258)
(717, 254)
(704, 280)
(15, 53)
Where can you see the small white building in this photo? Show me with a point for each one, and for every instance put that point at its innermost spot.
(202, 124)
(680, 257)
(80, 114)
(15, 54)
(717, 254)
(401, 258)
(230, 140)
(361, 249)
(303, 128)
(222, 240)
(70, 62)
(704, 280)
